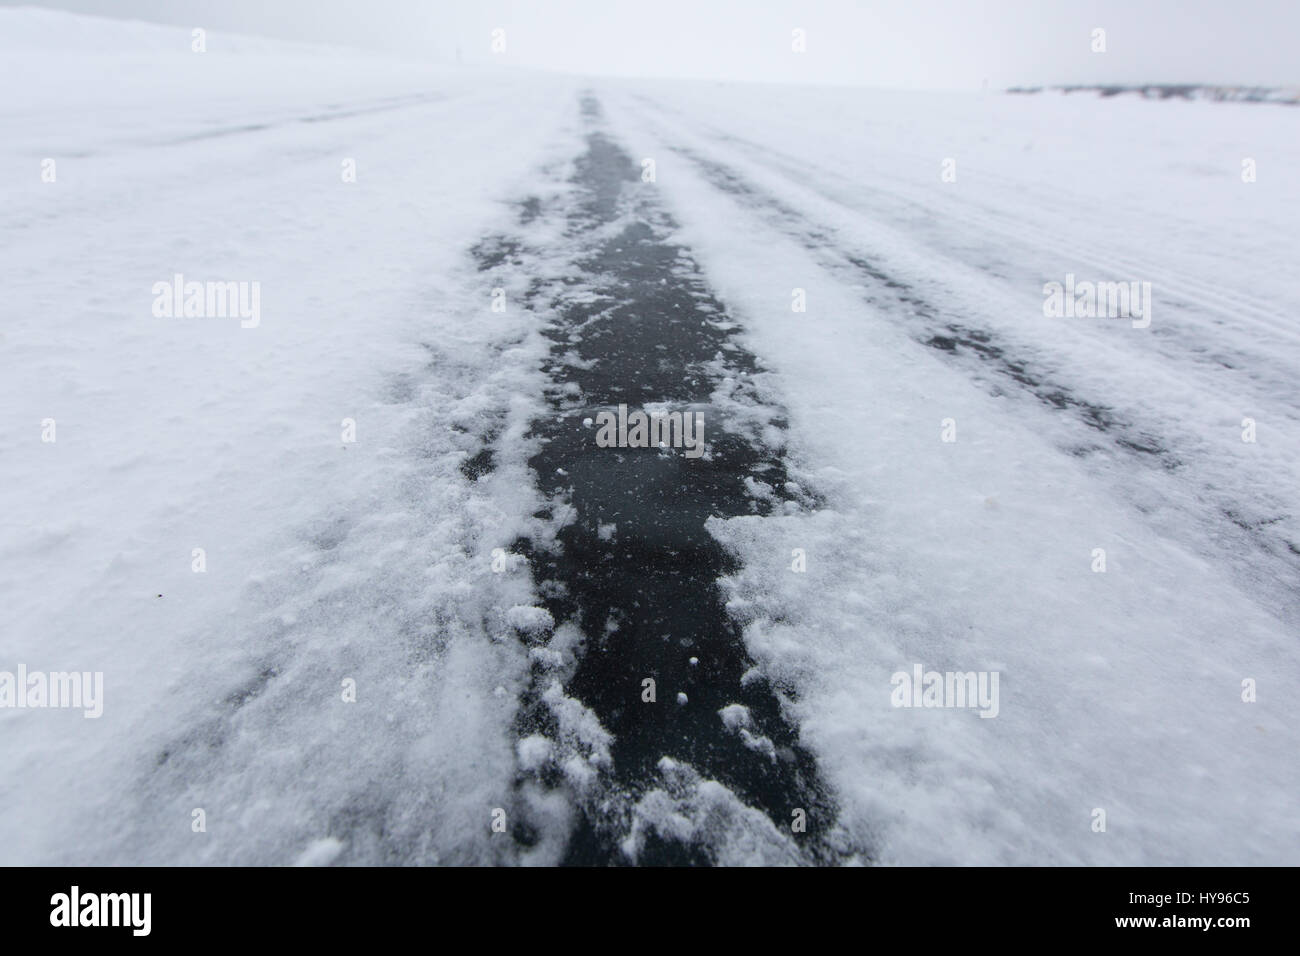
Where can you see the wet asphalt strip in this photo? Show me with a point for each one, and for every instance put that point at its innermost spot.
(636, 570)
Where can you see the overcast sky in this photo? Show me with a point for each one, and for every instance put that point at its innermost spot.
(912, 43)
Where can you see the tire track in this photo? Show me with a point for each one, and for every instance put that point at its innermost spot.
(711, 768)
(1262, 526)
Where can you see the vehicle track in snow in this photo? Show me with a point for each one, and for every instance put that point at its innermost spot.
(632, 565)
(1256, 533)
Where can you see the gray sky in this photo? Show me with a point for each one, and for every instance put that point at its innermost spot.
(912, 43)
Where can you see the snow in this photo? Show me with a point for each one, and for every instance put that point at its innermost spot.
(309, 616)
(735, 716)
(529, 619)
(326, 560)
(534, 752)
(1119, 690)
(321, 853)
(704, 813)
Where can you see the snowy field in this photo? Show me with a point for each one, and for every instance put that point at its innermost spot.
(244, 520)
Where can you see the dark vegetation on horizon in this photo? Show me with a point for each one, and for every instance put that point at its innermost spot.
(1289, 96)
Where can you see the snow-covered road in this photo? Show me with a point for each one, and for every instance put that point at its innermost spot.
(364, 587)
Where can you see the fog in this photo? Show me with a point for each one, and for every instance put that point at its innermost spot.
(933, 44)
